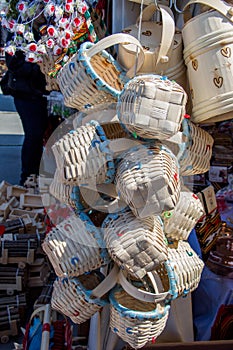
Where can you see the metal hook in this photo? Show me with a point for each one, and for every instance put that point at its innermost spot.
(176, 7)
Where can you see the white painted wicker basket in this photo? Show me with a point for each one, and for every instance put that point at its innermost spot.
(75, 246)
(93, 76)
(179, 222)
(136, 245)
(81, 297)
(152, 106)
(147, 179)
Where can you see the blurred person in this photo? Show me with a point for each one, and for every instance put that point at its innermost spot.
(3, 35)
(30, 100)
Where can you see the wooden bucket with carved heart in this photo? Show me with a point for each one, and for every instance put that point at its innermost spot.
(208, 55)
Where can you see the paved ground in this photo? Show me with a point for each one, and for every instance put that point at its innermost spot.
(11, 138)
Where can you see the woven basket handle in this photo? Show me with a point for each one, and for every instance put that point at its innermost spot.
(107, 284)
(118, 39)
(168, 29)
(45, 310)
(220, 6)
(142, 294)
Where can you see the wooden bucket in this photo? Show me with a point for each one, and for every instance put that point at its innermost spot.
(208, 55)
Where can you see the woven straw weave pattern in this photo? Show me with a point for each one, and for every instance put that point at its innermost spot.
(141, 325)
(74, 247)
(80, 157)
(152, 106)
(148, 180)
(89, 83)
(187, 266)
(179, 222)
(137, 246)
(70, 298)
(198, 150)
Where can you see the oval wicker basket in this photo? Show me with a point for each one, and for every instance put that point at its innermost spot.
(179, 222)
(75, 246)
(193, 148)
(93, 76)
(136, 245)
(135, 321)
(187, 266)
(147, 179)
(81, 297)
(152, 106)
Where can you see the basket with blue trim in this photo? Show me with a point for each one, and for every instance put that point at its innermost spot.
(75, 246)
(137, 321)
(93, 76)
(81, 297)
(147, 179)
(136, 245)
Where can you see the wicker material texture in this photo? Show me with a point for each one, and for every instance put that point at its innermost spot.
(62, 192)
(72, 297)
(179, 222)
(136, 245)
(46, 66)
(134, 321)
(187, 266)
(152, 106)
(147, 179)
(83, 156)
(75, 246)
(93, 76)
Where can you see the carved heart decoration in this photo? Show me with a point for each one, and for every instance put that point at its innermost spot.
(195, 64)
(226, 51)
(218, 81)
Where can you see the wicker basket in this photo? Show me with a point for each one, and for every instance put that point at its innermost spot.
(60, 191)
(75, 246)
(80, 298)
(135, 321)
(193, 148)
(152, 106)
(93, 76)
(80, 157)
(137, 246)
(147, 179)
(187, 266)
(179, 222)
(46, 66)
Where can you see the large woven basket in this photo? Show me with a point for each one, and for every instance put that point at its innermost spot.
(93, 76)
(179, 222)
(135, 321)
(193, 148)
(75, 246)
(152, 106)
(187, 266)
(81, 297)
(147, 179)
(136, 245)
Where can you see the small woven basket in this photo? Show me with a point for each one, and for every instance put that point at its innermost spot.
(147, 179)
(187, 266)
(93, 76)
(137, 246)
(193, 147)
(152, 106)
(60, 191)
(135, 321)
(46, 66)
(83, 156)
(75, 246)
(80, 298)
(179, 222)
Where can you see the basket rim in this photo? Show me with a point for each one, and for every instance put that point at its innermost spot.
(102, 85)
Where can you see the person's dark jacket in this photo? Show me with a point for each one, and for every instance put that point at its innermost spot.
(26, 78)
